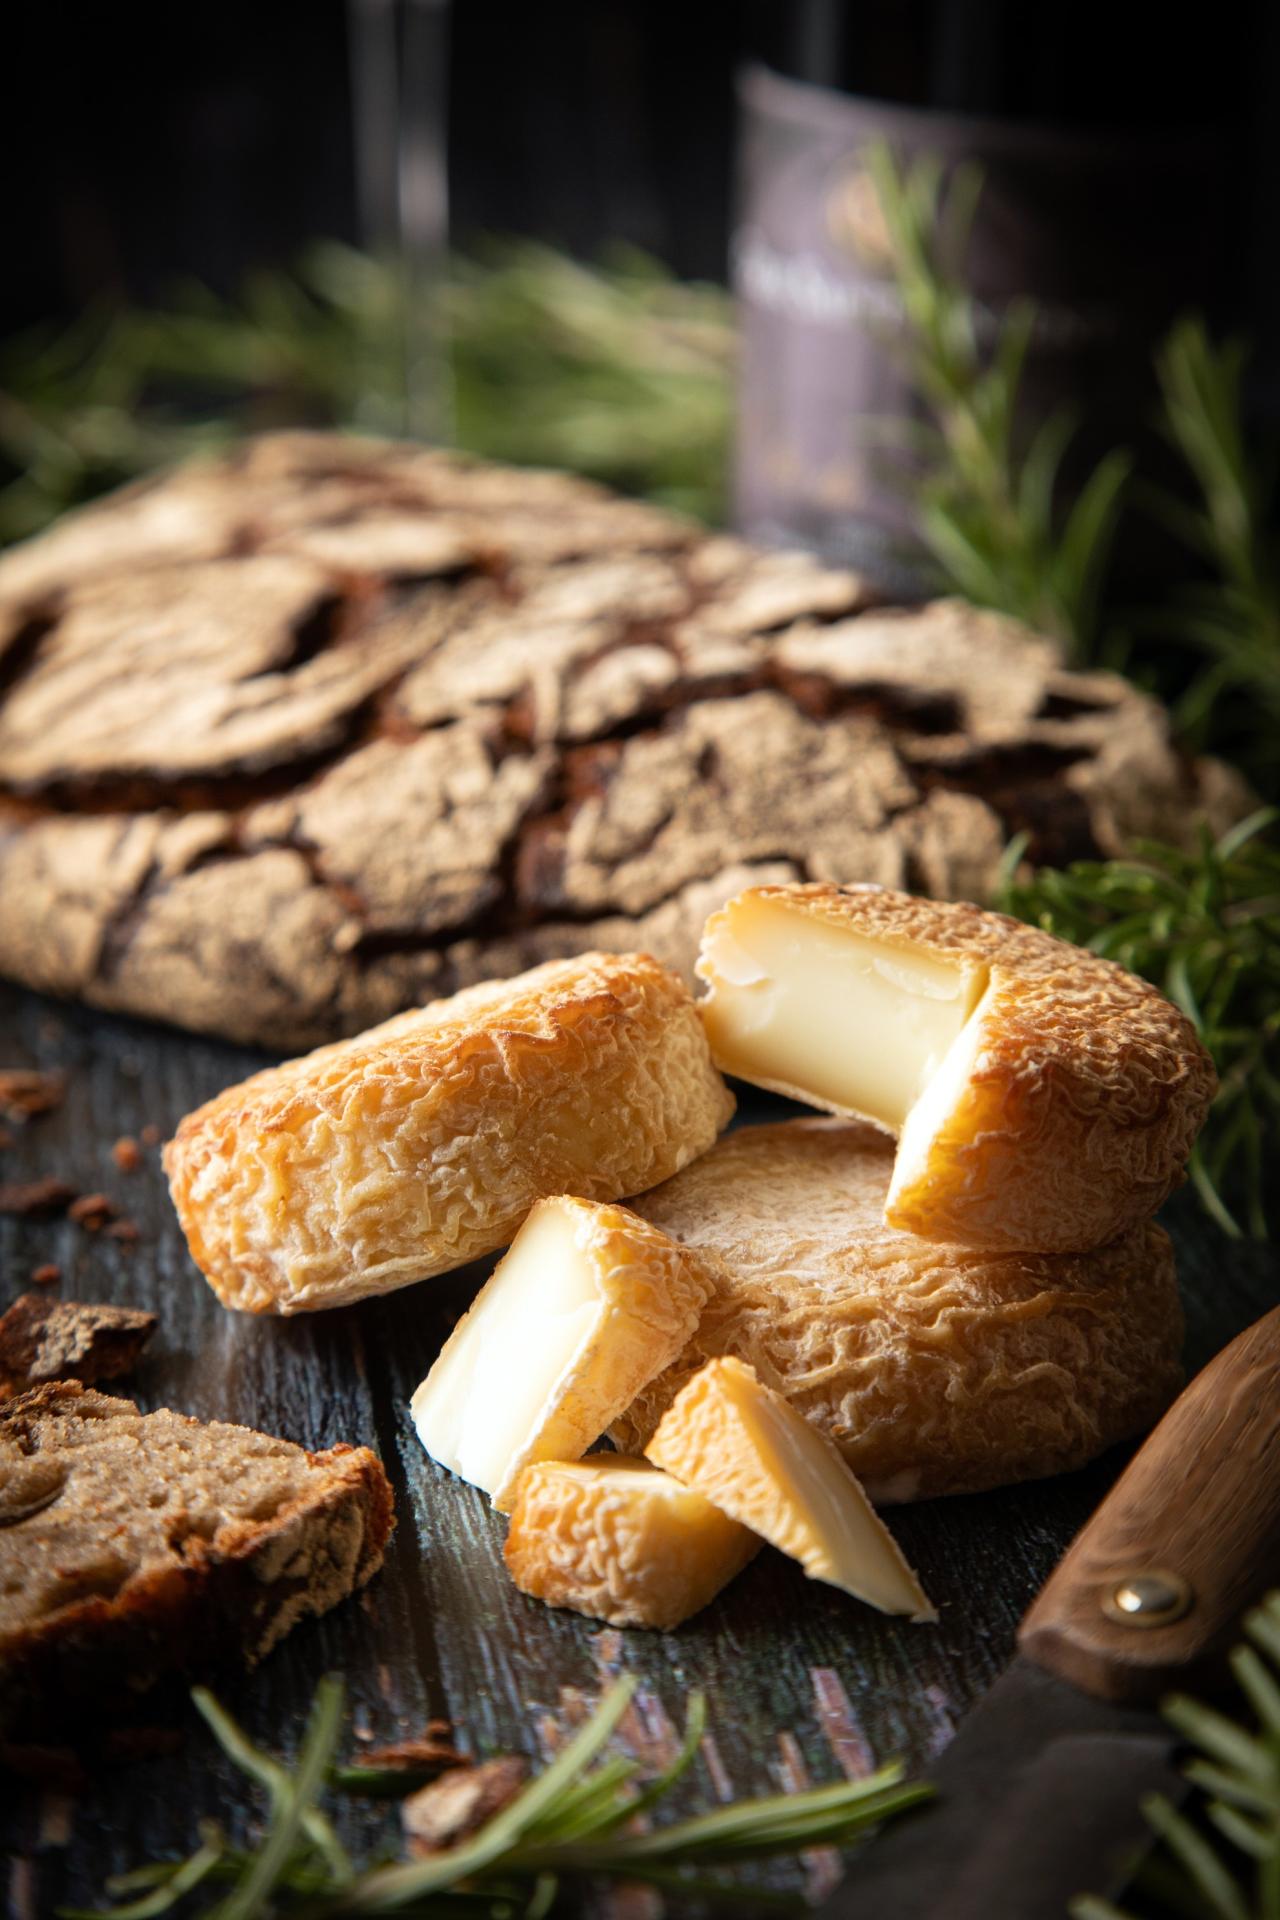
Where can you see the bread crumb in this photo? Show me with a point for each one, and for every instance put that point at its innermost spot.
(47, 1275)
(127, 1154)
(48, 1195)
(92, 1211)
(126, 1231)
(25, 1091)
(454, 1807)
(426, 1754)
(43, 1339)
(150, 1135)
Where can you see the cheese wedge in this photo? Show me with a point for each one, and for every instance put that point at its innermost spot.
(758, 1460)
(589, 1303)
(618, 1540)
(1045, 1100)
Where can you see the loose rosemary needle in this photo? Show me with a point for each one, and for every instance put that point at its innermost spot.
(577, 1820)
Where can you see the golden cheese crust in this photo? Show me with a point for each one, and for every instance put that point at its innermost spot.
(423, 1143)
(616, 1540)
(935, 1369)
(1084, 1100)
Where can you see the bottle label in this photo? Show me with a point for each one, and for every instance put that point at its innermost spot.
(1110, 235)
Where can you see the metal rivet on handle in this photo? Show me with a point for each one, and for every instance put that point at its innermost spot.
(1151, 1598)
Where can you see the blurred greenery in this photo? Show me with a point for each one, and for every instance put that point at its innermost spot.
(983, 484)
(616, 371)
(1230, 617)
(1203, 925)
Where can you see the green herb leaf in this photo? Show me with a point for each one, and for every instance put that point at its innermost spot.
(1224, 1849)
(581, 1817)
(1204, 927)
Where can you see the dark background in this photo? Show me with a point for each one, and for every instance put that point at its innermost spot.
(145, 142)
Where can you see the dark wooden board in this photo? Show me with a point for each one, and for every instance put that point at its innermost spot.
(801, 1682)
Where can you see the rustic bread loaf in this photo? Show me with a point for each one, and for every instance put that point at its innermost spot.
(134, 1546)
(295, 738)
(934, 1369)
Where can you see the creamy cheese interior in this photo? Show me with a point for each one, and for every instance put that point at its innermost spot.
(487, 1392)
(768, 1468)
(926, 1118)
(854, 1024)
(813, 1508)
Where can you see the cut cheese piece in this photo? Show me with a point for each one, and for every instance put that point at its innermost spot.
(1046, 1099)
(796, 1003)
(617, 1539)
(737, 1442)
(587, 1306)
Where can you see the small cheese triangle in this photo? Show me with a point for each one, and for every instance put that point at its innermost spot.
(742, 1447)
(589, 1304)
(617, 1539)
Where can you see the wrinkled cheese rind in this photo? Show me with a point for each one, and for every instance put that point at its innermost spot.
(588, 1305)
(751, 1454)
(934, 1369)
(618, 1540)
(422, 1144)
(858, 1025)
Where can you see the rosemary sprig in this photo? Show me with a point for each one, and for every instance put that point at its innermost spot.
(1203, 926)
(984, 503)
(577, 1820)
(1231, 1871)
(1231, 618)
(618, 371)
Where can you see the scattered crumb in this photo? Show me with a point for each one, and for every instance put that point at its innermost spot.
(126, 1231)
(43, 1339)
(48, 1195)
(24, 1092)
(127, 1154)
(46, 1276)
(6, 1138)
(150, 1135)
(451, 1809)
(92, 1211)
(415, 1756)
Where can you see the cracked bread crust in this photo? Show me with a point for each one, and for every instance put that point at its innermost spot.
(297, 737)
(423, 1144)
(935, 1369)
(1084, 1100)
(136, 1546)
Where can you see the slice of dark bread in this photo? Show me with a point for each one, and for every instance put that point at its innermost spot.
(135, 1546)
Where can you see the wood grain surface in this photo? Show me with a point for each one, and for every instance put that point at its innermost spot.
(802, 1683)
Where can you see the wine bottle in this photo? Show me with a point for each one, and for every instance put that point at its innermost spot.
(1112, 146)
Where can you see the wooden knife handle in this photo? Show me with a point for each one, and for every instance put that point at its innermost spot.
(1188, 1537)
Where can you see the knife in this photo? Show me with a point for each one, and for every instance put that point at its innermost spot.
(1038, 1794)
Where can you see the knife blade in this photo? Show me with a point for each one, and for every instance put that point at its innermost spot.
(1038, 1794)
